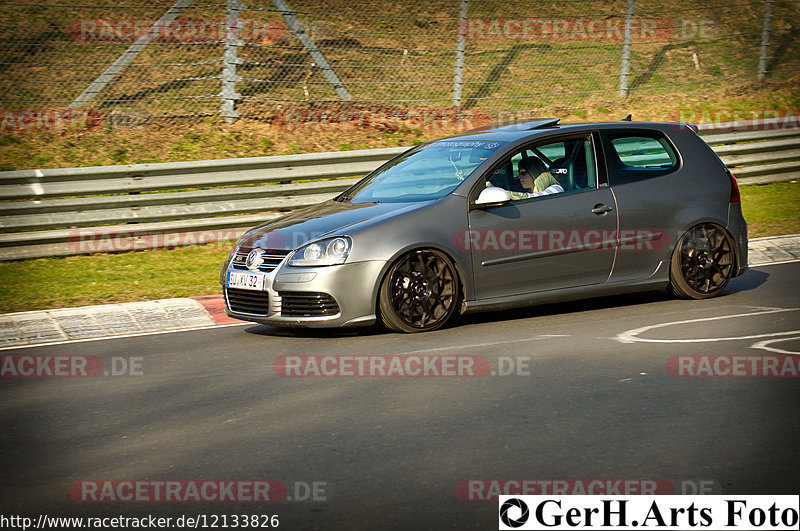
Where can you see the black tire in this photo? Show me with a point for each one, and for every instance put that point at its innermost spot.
(702, 263)
(419, 293)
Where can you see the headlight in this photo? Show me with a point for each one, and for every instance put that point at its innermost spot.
(330, 251)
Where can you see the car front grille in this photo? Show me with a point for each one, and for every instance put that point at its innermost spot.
(272, 257)
(307, 304)
(247, 301)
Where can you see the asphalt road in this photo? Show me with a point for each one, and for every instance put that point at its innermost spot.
(594, 394)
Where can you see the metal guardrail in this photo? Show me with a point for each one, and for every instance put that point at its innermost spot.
(69, 211)
(757, 157)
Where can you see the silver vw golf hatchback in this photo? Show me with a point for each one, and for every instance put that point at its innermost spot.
(496, 218)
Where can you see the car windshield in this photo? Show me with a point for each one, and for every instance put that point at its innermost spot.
(428, 173)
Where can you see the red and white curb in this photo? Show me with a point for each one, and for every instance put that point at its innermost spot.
(773, 249)
(108, 320)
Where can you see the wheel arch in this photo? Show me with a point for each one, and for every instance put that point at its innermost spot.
(419, 246)
(680, 285)
(722, 224)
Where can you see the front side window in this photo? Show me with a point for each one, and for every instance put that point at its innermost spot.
(548, 168)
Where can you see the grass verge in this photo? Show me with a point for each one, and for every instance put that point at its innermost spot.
(771, 209)
(42, 283)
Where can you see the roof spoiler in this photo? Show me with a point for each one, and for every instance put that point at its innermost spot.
(522, 126)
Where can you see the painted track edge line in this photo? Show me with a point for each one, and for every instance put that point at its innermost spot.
(764, 264)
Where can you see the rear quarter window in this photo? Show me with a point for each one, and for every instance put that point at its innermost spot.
(637, 155)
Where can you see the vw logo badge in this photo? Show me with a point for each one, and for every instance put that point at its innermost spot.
(254, 259)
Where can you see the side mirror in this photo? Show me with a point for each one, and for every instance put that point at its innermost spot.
(493, 196)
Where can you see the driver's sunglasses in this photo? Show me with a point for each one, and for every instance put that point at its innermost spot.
(522, 170)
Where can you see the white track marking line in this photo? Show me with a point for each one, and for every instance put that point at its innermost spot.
(763, 345)
(478, 345)
(631, 336)
(765, 264)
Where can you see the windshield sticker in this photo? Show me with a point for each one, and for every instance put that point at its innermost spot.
(476, 144)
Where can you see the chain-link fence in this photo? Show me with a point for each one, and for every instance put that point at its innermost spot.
(287, 62)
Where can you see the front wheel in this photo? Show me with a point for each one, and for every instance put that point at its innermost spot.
(419, 293)
(702, 263)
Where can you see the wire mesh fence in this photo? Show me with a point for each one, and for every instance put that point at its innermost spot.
(351, 64)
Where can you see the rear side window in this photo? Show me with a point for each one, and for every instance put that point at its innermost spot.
(637, 155)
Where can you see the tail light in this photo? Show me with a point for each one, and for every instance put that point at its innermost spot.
(735, 198)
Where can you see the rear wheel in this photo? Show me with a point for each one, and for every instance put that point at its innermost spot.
(419, 293)
(702, 262)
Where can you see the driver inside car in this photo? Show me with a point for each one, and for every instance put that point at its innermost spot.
(535, 178)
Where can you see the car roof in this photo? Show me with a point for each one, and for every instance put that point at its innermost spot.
(508, 132)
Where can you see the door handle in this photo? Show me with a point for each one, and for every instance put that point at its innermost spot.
(601, 209)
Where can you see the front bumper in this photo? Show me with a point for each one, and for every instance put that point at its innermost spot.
(329, 296)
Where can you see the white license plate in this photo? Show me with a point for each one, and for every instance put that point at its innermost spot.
(253, 281)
